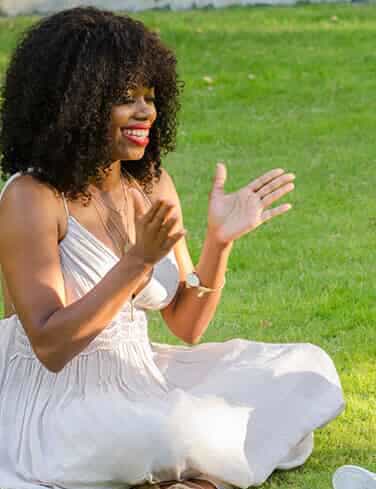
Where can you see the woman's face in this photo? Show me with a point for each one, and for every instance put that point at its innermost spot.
(130, 124)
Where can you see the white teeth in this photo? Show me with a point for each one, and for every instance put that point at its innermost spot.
(141, 133)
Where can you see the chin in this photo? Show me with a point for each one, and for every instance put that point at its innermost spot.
(136, 158)
(133, 155)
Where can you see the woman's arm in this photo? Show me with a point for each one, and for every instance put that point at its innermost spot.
(230, 217)
(29, 255)
(188, 316)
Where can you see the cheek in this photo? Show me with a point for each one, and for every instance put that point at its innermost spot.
(120, 116)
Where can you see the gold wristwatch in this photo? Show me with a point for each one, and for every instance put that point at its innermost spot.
(193, 281)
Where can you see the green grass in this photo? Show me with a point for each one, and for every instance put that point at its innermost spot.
(309, 107)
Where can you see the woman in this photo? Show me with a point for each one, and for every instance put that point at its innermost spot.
(92, 236)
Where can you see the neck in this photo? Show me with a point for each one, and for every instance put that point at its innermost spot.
(111, 179)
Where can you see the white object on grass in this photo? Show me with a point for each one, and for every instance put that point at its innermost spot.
(353, 477)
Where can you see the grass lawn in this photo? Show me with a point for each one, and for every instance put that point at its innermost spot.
(292, 88)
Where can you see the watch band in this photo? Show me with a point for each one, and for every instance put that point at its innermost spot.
(201, 289)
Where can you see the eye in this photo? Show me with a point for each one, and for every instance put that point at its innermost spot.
(130, 100)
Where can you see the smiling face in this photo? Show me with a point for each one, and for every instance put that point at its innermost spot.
(130, 124)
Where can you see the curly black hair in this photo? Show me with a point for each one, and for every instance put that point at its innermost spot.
(65, 74)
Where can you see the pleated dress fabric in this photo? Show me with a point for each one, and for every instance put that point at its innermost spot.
(129, 411)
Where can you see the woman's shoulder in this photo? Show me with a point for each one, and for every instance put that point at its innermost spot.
(24, 188)
(25, 200)
(165, 188)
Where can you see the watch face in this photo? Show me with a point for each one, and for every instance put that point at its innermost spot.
(193, 280)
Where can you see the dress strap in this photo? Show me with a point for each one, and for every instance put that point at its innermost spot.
(139, 188)
(65, 204)
(10, 179)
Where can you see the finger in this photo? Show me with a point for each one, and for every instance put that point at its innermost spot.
(277, 194)
(151, 212)
(275, 184)
(276, 211)
(172, 240)
(165, 208)
(169, 225)
(219, 178)
(264, 179)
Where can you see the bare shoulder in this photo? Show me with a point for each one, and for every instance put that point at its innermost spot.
(165, 188)
(27, 201)
(25, 193)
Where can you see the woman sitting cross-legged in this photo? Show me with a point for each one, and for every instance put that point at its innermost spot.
(91, 239)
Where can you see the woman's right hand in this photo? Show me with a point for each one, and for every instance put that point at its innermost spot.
(156, 231)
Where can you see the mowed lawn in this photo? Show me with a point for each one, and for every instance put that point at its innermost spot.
(292, 88)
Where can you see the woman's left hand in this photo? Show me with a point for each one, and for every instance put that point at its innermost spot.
(233, 215)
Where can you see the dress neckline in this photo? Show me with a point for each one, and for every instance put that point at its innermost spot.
(91, 236)
(105, 248)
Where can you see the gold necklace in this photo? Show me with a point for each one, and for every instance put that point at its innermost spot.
(124, 206)
(119, 210)
(127, 245)
(124, 237)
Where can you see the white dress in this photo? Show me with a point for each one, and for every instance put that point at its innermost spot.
(126, 411)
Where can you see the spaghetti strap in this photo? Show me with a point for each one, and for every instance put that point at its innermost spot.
(65, 204)
(10, 179)
(139, 188)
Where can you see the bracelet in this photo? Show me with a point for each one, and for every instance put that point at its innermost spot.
(193, 281)
(203, 290)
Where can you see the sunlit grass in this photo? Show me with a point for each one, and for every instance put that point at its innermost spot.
(292, 88)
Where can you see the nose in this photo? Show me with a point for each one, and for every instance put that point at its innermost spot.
(144, 109)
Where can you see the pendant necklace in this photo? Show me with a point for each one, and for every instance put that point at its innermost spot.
(125, 237)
